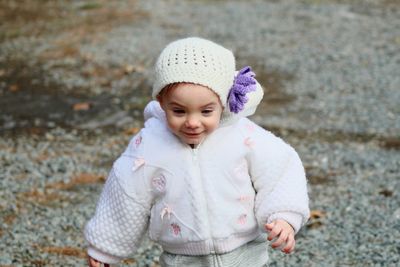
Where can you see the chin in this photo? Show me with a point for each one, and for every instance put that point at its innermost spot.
(195, 140)
(191, 141)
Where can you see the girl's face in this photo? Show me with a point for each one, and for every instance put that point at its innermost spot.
(193, 111)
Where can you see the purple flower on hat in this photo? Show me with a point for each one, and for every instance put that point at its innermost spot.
(243, 83)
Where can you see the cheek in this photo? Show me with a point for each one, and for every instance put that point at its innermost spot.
(174, 123)
(213, 123)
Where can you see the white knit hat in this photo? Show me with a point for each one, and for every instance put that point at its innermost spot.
(199, 61)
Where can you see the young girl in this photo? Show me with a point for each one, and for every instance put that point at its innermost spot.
(201, 178)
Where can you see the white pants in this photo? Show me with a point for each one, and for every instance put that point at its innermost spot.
(252, 254)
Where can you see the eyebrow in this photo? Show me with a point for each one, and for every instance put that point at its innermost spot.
(211, 104)
(173, 103)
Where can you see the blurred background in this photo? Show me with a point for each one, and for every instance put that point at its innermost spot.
(76, 75)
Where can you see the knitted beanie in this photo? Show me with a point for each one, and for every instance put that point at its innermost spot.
(199, 61)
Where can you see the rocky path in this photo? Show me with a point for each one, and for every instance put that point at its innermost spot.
(74, 77)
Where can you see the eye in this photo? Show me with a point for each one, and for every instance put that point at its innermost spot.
(207, 111)
(178, 111)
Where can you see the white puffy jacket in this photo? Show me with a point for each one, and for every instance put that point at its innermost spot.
(210, 199)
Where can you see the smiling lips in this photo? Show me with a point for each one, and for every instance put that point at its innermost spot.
(192, 135)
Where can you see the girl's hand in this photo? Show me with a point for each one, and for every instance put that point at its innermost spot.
(284, 234)
(95, 263)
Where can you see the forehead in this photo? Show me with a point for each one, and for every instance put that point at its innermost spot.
(189, 92)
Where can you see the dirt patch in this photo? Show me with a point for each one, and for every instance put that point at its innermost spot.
(34, 18)
(81, 179)
(53, 194)
(391, 143)
(317, 176)
(27, 101)
(391, 3)
(65, 251)
(73, 252)
(45, 198)
(273, 82)
(331, 136)
(354, 2)
(275, 96)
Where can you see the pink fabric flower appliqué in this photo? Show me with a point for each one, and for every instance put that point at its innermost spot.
(137, 163)
(166, 210)
(242, 219)
(246, 200)
(138, 141)
(176, 229)
(159, 183)
(248, 142)
(241, 169)
(250, 127)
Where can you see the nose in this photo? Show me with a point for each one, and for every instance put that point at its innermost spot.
(192, 122)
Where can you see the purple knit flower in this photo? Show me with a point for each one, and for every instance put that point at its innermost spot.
(244, 82)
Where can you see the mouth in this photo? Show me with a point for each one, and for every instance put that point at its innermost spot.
(191, 135)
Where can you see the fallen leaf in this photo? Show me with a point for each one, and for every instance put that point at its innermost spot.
(13, 88)
(313, 225)
(129, 261)
(386, 193)
(81, 106)
(132, 131)
(317, 214)
(315, 219)
(129, 69)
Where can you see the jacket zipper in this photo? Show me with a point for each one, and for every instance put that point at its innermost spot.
(194, 157)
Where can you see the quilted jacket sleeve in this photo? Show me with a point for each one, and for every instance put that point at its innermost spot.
(122, 213)
(279, 180)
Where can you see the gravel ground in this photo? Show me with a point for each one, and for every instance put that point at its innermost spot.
(331, 75)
